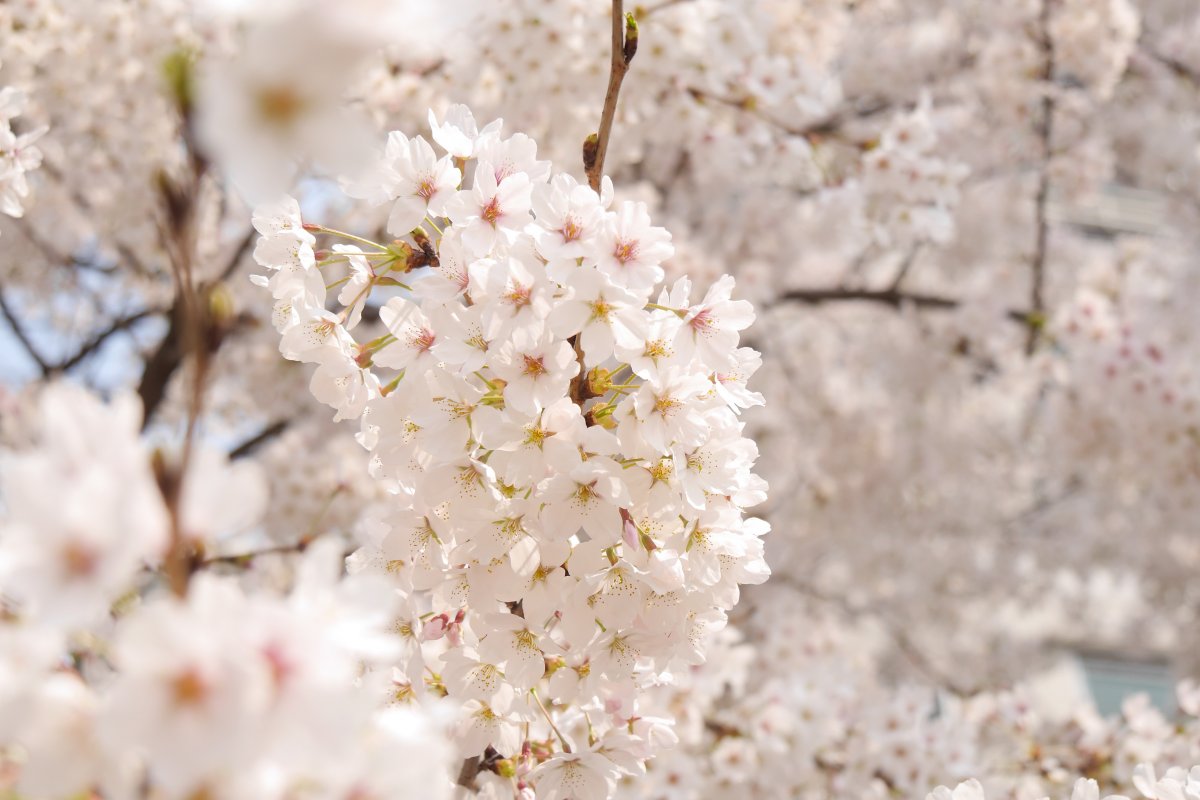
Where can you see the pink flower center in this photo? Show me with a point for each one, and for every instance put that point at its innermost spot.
(625, 252)
(570, 230)
(422, 340)
(518, 295)
(534, 365)
(703, 321)
(491, 212)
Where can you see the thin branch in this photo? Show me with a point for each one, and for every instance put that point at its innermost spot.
(642, 12)
(160, 366)
(1042, 505)
(904, 644)
(562, 740)
(85, 206)
(595, 147)
(93, 344)
(54, 256)
(888, 297)
(236, 256)
(1180, 69)
(313, 533)
(624, 46)
(199, 330)
(826, 127)
(22, 337)
(257, 440)
(905, 266)
(1045, 134)
(468, 772)
(242, 559)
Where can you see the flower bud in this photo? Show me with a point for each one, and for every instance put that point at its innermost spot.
(599, 381)
(434, 629)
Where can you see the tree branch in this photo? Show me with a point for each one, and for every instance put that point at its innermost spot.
(85, 207)
(257, 440)
(468, 772)
(22, 337)
(236, 256)
(1045, 134)
(54, 256)
(828, 126)
(243, 559)
(888, 297)
(1180, 69)
(624, 46)
(642, 12)
(160, 366)
(595, 147)
(100, 338)
(905, 266)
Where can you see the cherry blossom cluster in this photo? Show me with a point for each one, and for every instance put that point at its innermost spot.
(970, 227)
(1118, 366)
(110, 684)
(909, 192)
(794, 710)
(1093, 41)
(110, 137)
(799, 705)
(559, 434)
(18, 153)
(1176, 782)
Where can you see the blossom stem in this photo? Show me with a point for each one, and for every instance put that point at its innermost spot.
(561, 739)
(434, 225)
(392, 384)
(335, 258)
(490, 384)
(380, 342)
(590, 729)
(366, 290)
(344, 235)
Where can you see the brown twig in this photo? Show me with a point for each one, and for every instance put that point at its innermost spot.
(826, 127)
(888, 297)
(313, 533)
(93, 344)
(254, 442)
(905, 267)
(235, 258)
(1180, 69)
(624, 46)
(1045, 134)
(469, 772)
(199, 324)
(85, 206)
(22, 337)
(159, 367)
(595, 147)
(641, 12)
(242, 559)
(57, 258)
